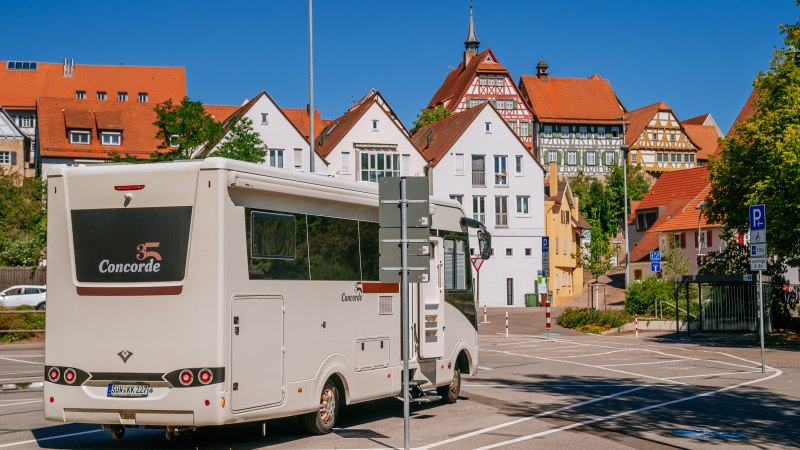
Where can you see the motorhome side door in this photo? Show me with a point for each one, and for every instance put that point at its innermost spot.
(430, 313)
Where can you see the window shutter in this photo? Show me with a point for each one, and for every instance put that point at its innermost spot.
(708, 239)
(13, 158)
(497, 104)
(683, 240)
(696, 239)
(558, 157)
(515, 103)
(616, 158)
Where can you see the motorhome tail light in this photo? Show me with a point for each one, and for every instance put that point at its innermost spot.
(69, 376)
(205, 376)
(186, 377)
(54, 374)
(129, 187)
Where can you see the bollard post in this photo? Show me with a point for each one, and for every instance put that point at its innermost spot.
(484, 313)
(506, 324)
(547, 317)
(636, 320)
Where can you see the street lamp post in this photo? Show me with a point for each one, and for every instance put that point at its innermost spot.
(699, 207)
(625, 200)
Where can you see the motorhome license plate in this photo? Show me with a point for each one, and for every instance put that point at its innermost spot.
(128, 390)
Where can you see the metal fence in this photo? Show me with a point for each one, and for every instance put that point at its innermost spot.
(11, 276)
(722, 303)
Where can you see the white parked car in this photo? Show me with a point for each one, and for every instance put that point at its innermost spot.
(24, 295)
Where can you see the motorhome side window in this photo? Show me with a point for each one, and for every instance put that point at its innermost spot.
(273, 235)
(455, 264)
(333, 248)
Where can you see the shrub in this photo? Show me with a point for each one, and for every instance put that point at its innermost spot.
(592, 320)
(20, 322)
(642, 295)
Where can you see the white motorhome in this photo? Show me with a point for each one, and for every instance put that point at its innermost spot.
(211, 292)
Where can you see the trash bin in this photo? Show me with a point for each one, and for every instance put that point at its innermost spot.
(530, 300)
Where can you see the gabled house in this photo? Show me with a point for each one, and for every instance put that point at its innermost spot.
(287, 146)
(24, 82)
(658, 141)
(579, 122)
(299, 117)
(564, 225)
(747, 110)
(14, 147)
(704, 132)
(668, 196)
(689, 229)
(481, 78)
(89, 131)
(367, 142)
(220, 113)
(476, 159)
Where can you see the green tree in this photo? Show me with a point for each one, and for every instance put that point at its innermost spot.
(242, 143)
(182, 128)
(428, 116)
(759, 162)
(23, 228)
(597, 258)
(594, 201)
(673, 261)
(638, 185)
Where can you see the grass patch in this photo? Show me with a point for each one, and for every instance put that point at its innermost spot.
(590, 320)
(20, 322)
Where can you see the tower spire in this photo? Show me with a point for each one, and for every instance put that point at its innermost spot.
(472, 43)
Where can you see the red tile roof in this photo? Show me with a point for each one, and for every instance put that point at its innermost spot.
(647, 244)
(704, 137)
(570, 99)
(220, 112)
(677, 185)
(337, 128)
(747, 110)
(134, 119)
(699, 120)
(445, 133)
(687, 217)
(299, 118)
(21, 88)
(457, 81)
(638, 119)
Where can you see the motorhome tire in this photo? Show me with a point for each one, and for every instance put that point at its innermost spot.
(324, 418)
(450, 391)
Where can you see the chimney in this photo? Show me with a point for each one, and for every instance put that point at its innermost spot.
(577, 206)
(553, 179)
(66, 68)
(541, 70)
(72, 67)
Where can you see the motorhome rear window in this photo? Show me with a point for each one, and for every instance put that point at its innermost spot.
(131, 245)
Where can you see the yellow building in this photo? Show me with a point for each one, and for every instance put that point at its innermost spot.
(564, 226)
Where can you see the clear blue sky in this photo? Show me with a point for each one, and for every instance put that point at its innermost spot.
(698, 56)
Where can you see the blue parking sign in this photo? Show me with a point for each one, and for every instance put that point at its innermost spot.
(758, 217)
(545, 244)
(655, 267)
(655, 256)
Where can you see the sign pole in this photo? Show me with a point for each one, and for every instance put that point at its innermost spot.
(761, 318)
(405, 314)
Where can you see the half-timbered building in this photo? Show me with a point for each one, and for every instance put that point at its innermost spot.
(480, 78)
(658, 141)
(578, 122)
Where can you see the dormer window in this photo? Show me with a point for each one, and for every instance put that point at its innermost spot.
(101, 95)
(122, 96)
(111, 138)
(143, 97)
(80, 95)
(82, 137)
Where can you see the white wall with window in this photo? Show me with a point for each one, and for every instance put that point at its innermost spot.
(278, 132)
(376, 146)
(503, 187)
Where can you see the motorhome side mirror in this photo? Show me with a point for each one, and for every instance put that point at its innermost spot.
(485, 244)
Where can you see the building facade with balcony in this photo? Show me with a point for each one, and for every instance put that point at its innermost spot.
(475, 158)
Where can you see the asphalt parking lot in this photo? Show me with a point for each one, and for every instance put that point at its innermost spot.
(568, 391)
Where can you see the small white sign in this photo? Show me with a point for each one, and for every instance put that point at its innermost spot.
(758, 250)
(758, 236)
(758, 264)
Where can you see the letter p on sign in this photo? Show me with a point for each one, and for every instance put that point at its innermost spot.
(758, 219)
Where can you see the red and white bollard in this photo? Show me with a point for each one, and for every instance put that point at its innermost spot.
(506, 324)
(484, 314)
(547, 317)
(636, 321)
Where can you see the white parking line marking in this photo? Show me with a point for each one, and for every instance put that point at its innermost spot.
(5, 380)
(643, 363)
(5, 374)
(21, 360)
(484, 368)
(19, 400)
(714, 374)
(23, 356)
(547, 386)
(593, 354)
(629, 412)
(20, 403)
(31, 441)
(525, 419)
